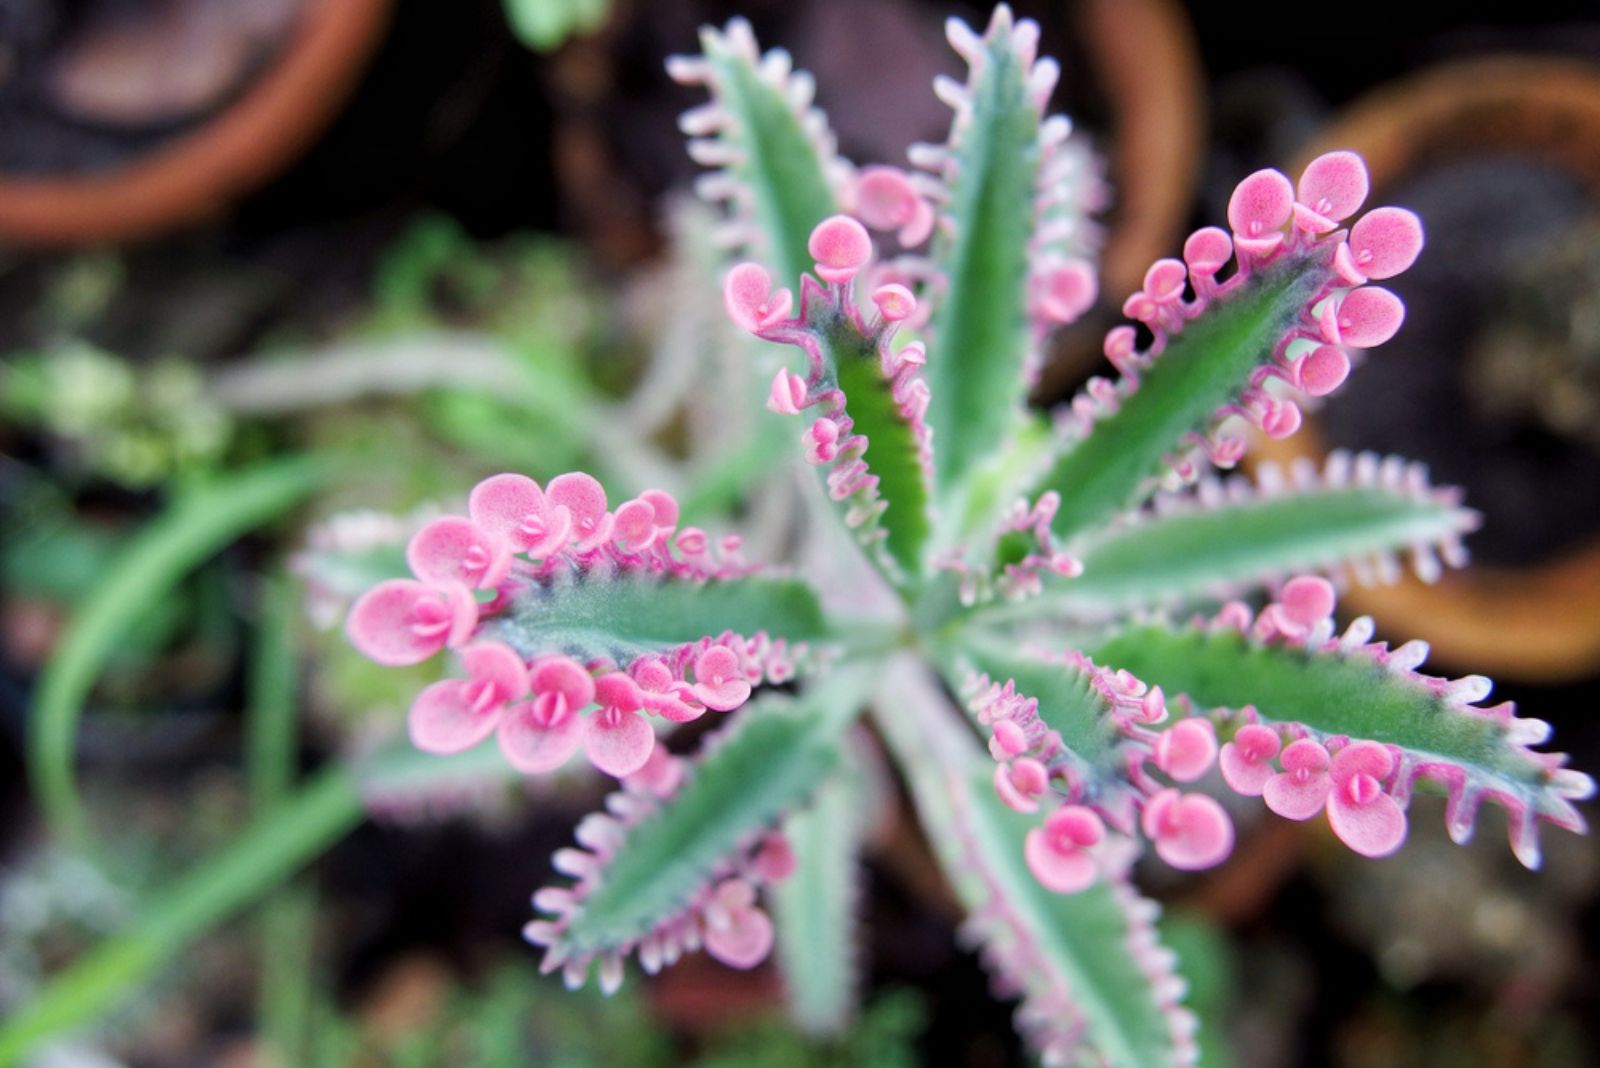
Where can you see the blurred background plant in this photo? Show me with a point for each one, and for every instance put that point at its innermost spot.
(466, 259)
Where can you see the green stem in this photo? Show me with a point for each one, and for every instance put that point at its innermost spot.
(300, 828)
(194, 528)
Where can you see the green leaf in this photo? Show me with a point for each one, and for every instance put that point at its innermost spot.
(1350, 694)
(1057, 949)
(1238, 542)
(1067, 703)
(194, 528)
(815, 908)
(853, 363)
(623, 615)
(1200, 370)
(1328, 692)
(980, 328)
(782, 167)
(773, 758)
(267, 853)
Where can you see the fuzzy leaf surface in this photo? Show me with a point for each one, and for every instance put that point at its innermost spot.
(815, 908)
(1168, 560)
(1115, 466)
(620, 616)
(1328, 692)
(892, 451)
(980, 326)
(780, 751)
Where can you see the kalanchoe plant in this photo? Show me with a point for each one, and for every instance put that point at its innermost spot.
(1068, 580)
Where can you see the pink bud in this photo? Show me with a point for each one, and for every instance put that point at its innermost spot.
(455, 549)
(1307, 600)
(513, 507)
(748, 297)
(400, 622)
(1208, 250)
(1058, 853)
(1364, 817)
(720, 681)
(1258, 209)
(774, 861)
(1067, 291)
(1008, 740)
(886, 199)
(456, 714)
(895, 302)
(1020, 783)
(737, 933)
(841, 248)
(618, 740)
(1369, 316)
(1164, 281)
(1186, 749)
(1190, 831)
(821, 441)
(1331, 189)
(1281, 420)
(585, 498)
(1299, 791)
(665, 506)
(1246, 762)
(634, 526)
(1384, 242)
(1323, 370)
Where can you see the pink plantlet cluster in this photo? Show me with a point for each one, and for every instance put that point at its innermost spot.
(1069, 853)
(518, 543)
(1365, 786)
(723, 916)
(1278, 233)
(1187, 830)
(829, 317)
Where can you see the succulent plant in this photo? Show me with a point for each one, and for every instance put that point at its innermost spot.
(1070, 577)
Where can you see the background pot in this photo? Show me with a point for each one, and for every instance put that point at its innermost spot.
(196, 174)
(1536, 618)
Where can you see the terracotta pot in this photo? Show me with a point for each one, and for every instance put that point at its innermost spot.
(1539, 621)
(199, 173)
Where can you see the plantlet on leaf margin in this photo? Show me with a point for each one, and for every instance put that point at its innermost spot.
(579, 626)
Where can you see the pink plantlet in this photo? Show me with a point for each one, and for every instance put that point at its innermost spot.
(452, 549)
(1299, 791)
(1246, 761)
(1361, 813)
(737, 932)
(400, 621)
(841, 248)
(751, 302)
(513, 507)
(1382, 244)
(1332, 188)
(660, 776)
(1368, 316)
(661, 692)
(886, 199)
(720, 681)
(1191, 832)
(1059, 852)
(585, 499)
(635, 527)
(618, 739)
(1186, 750)
(666, 509)
(457, 714)
(1066, 290)
(821, 440)
(894, 302)
(1322, 370)
(1258, 210)
(541, 734)
(1021, 783)
(775, 860)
